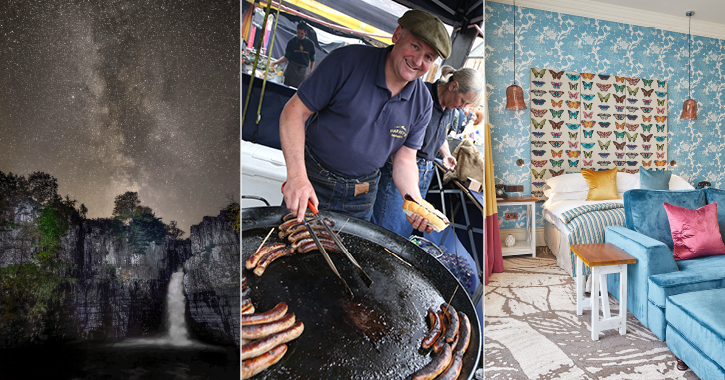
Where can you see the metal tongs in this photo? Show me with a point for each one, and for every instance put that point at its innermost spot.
(317, 218)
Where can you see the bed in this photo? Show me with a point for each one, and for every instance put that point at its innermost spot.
(570, 219)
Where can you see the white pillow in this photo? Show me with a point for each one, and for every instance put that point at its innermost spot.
(566, 183)
(570, 196)
(679, 183)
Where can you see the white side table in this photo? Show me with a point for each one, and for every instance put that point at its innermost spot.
(602, 259)
(529, 245)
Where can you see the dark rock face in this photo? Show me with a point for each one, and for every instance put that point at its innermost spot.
(212, 282)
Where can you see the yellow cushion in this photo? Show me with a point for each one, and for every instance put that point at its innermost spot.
(602, 184)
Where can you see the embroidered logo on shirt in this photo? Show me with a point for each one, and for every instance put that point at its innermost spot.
(399, 132)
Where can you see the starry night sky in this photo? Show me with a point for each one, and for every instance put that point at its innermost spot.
(129, 95)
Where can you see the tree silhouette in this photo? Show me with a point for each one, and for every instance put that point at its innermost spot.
(125, 205)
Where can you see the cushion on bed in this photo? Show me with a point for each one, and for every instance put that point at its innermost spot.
(678, 183)
(602, 184)
(573, 182)
(695, 233)
(654, 179)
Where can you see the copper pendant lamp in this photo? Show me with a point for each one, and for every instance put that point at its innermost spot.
(689, 108)
(514, 93)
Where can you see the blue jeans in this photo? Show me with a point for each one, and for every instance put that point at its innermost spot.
(388, 209)
(338, 193)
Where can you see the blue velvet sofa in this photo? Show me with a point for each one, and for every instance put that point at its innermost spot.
(647, 237)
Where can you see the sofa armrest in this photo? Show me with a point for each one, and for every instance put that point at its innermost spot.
(653, 257)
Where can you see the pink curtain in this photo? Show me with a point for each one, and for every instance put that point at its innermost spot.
(493, 258)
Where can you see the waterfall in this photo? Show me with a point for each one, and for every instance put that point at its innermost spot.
(177, 334)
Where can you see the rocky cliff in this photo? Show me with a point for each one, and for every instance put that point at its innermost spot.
(212, 283)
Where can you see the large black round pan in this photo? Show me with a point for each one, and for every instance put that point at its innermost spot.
(376, 334)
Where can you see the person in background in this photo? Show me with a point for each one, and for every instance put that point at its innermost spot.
(300, 53)
(360, 106)
(455, 89)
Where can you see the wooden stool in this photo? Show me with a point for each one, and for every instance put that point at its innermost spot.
(603, 259)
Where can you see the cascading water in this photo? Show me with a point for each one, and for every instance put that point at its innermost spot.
(177, 334)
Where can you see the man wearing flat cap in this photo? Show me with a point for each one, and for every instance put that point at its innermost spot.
(361, 105)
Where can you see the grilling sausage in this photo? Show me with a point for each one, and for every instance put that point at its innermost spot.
(272, 315)
(305, 233)
(329, 246)
(295, 229)
(256, 365)
(441, 341)
(465, 335)
(249, 310)
(436, 366)
(453, 370)
(294, 216)
(453, 324)
(274, 255)
(435, 329)
(245, 291)
(260, 346)
(323, 239)
(265, 329)
(256, 256)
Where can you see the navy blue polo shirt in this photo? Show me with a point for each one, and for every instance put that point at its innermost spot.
(440, 122)
(357, 124)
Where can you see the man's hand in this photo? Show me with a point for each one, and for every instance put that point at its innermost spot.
(297, 191)
(449, 162)
(419, 223)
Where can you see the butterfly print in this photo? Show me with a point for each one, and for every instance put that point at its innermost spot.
(632, 127)
(661, 94)
(632, 117)
(646, 109)
(588, 134)
(555, 135)
(537, 193)
(572, 104)
(574, 135)
(661, 83)
(620, 99)
(604, 124)
(556, 113)
(538, 163)
(660, 110)
(573, 164)
(632, 81)
(619, 126)
(573, 127)
(538, 175)
(603, 98)
(588, 115)
(538, 135)
(538, 125)
(619, 163)
(632, 163)
(619, 79)
(587, 76)
(646, 146)
(538, 92)
(574, 95)
(646, 118)
(632, 109)
(631, 138)
(632, 155)
(555, 163)
(588, 106)
(618, 135)
(556, 125)
(587, 145)
(574, 144)
(603, 115)
(588, 163)
(619, 88)
(619, 155)
(604, 146)
(647, 93)
(588, 123)
(646, 138)
(556, 144)
(538, 74)
(538, 113)
(573, 77)
(660, 155)
(632, 100)
(646, 101)
(555, 74)
(573, 115)
(555, 173)
(588, 154)
(619, 116)
(604, 163)
(539, 102)
(604, 135)
(556, 94)
(660, 138)
(538, 184)
(660, 119)
(660, 102)
(635, 171)
(603, 107)
(646, 155)
(573, 86)
(557, 104)
(587, 85)
(555, 153)
(588, 97)
(572, 153)
(619, 108)
(632, 146)
(660, 128)
(604, 77)
(647, 82)
(538, 144)
(604, 87)
(538, 152)
(619, 146)
(660, 163)
(660, 147)
(557, 85)
(604, 155)
(538, 83)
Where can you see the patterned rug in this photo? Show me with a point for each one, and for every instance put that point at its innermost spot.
(532, 331)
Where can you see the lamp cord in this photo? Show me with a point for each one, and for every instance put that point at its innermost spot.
(689, 59)
(514, 42)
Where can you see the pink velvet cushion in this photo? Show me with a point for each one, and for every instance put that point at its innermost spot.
(695, 232)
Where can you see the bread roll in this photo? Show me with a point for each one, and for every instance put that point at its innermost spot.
(419, 206)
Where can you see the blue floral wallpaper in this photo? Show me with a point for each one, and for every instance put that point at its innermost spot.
(572, 43)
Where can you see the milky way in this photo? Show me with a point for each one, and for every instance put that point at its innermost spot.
(116, 96)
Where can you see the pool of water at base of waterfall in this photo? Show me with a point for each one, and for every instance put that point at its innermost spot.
(90, 361)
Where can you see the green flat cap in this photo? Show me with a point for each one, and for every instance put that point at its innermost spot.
(428, 28)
